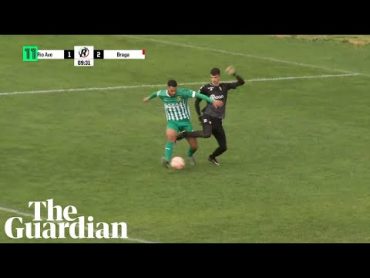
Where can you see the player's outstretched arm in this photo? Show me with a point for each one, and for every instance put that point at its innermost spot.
(153, 95)
(240, 80)
(230, 70)
(215, 103)
(202, 97)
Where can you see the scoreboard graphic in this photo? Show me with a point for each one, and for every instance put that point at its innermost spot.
(83, 56)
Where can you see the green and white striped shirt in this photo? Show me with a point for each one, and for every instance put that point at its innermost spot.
(176, 107)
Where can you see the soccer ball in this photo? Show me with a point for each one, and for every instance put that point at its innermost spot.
(177, 163)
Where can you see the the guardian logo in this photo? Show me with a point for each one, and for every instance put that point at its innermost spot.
(61, 223)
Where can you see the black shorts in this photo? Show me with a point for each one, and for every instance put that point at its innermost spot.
(216, 123)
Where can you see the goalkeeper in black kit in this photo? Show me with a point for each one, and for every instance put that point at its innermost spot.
(211, 117)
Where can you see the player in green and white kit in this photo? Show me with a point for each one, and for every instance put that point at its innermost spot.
(178, 115)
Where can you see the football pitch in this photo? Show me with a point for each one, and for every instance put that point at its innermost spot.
(297, 168)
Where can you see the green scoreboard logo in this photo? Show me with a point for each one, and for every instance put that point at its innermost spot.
(30, 53)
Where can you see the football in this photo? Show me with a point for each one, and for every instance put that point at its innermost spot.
(177, 163)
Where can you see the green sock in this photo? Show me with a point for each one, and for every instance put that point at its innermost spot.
(191, 152)
(168, 150)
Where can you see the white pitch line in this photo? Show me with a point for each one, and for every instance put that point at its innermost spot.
(271, 59)
(31, 215)
(303, 77)
(124, 87)
(16, 212)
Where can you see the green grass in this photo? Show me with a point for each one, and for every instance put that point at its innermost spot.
(297, 167)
